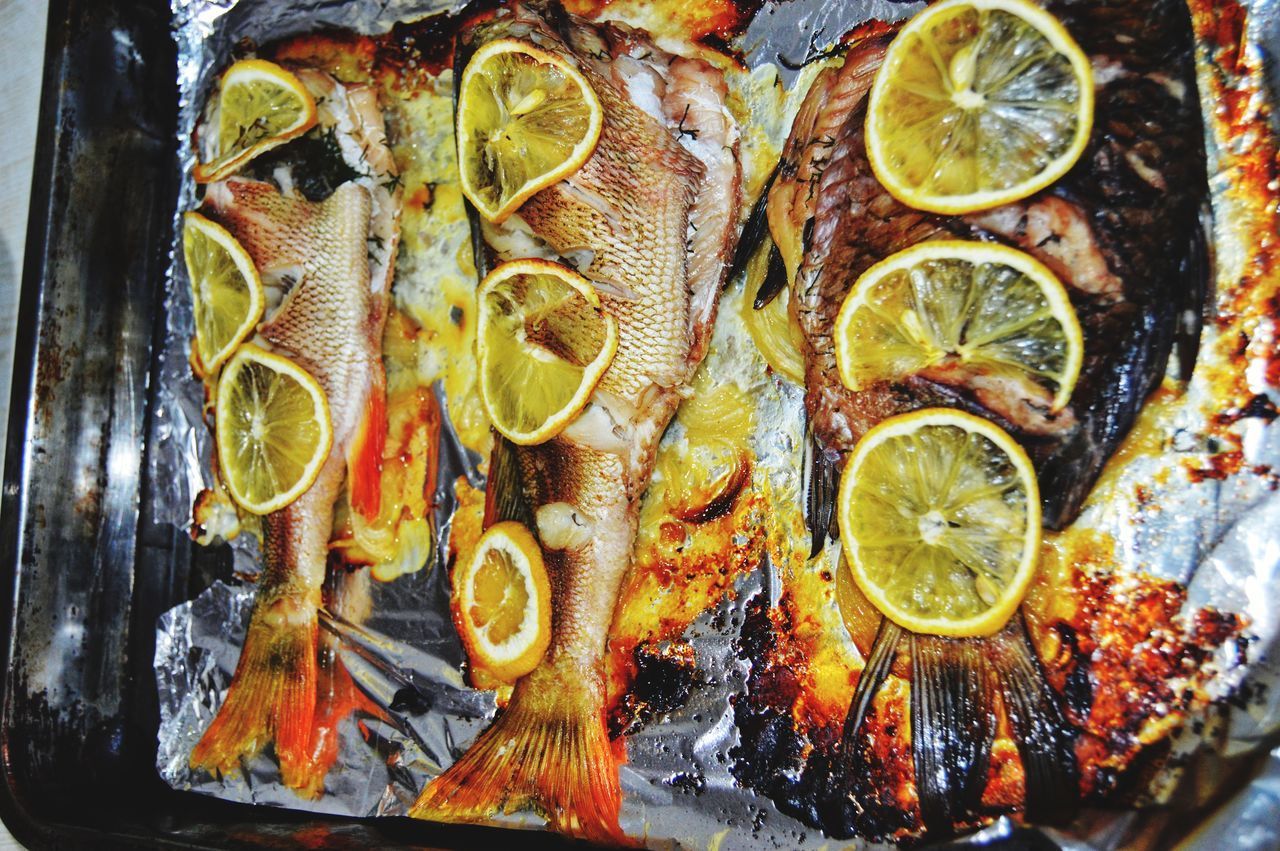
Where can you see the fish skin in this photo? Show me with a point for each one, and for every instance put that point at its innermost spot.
(329, 321)
(626, 219)
(1121, 228)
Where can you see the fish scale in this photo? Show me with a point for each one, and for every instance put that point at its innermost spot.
(330, 321)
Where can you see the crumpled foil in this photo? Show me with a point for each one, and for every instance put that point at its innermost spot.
(1218, 538)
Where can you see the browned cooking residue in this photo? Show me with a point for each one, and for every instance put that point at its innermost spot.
(1249, 164)
(1130, 664)
(683, 570)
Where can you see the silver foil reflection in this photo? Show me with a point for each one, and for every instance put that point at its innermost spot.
(1220, 539)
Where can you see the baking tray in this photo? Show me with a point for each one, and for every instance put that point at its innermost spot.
(87, 567)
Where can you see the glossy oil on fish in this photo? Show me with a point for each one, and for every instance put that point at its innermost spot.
(650, 220)
(326, 263)
(1121, 230)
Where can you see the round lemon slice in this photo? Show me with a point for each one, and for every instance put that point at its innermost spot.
(272, 429)
(939, 517)
(978, 103)
(260, 106)
(963, 308)
(544, 341)
(526, 119)
(226, 292)
(504, 602)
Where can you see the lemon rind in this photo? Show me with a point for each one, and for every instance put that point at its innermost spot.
(1058, 36)
(530, 644)
(223, 166)
(995, 618)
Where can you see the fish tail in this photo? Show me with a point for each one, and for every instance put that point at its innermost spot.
(338, 698)
(544, 751)
(272, 699)
(364, 460)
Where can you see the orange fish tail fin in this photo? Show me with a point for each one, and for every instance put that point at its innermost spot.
(364, 459)
(272, 699)
(337, 698)
(540, 753)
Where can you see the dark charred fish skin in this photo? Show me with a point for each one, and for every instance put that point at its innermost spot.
(1122, 230)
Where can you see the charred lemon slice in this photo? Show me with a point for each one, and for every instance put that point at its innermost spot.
(504, 602)
(526, 118)
(940, 522)
(544, 340)
(957, 310)
(226, 292)
(272, 429)
(978, 103)
(260, 106)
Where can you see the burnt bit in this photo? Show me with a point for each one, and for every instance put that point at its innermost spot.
(793, 765)
(1258, 407)
(314, 160)
(665, 677)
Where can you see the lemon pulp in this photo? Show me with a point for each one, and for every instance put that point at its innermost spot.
(978, 103)
(940, 521)
(273, 430)
(526, 119)
(962, 309)
(544, 342)
(226, 292)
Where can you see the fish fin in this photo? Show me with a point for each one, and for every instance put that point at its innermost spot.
(364, 458)
(952, 729)
(839, 808)
(821, 481)
(542, 752)
(337, 698)
(775, 279)
(1046, 741)
(503, 492)
(271, 699)
(754, 231)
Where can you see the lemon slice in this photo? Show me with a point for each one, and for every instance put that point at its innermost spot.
(978, 103)
(963, 308)
(526, 119)
(504, 602)
(544, 340)
(940, 522)
(260, 106)
(226, 292)
(272, 429)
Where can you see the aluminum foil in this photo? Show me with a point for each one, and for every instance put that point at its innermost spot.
(1216, 537)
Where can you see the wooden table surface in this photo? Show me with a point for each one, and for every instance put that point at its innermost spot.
(22, 30)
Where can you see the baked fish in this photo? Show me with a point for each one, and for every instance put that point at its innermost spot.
(650, 220)
(1121, 230)
(327, 267)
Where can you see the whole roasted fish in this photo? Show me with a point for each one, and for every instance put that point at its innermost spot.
(1121, 230)
(650, 220)
(326, 265)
